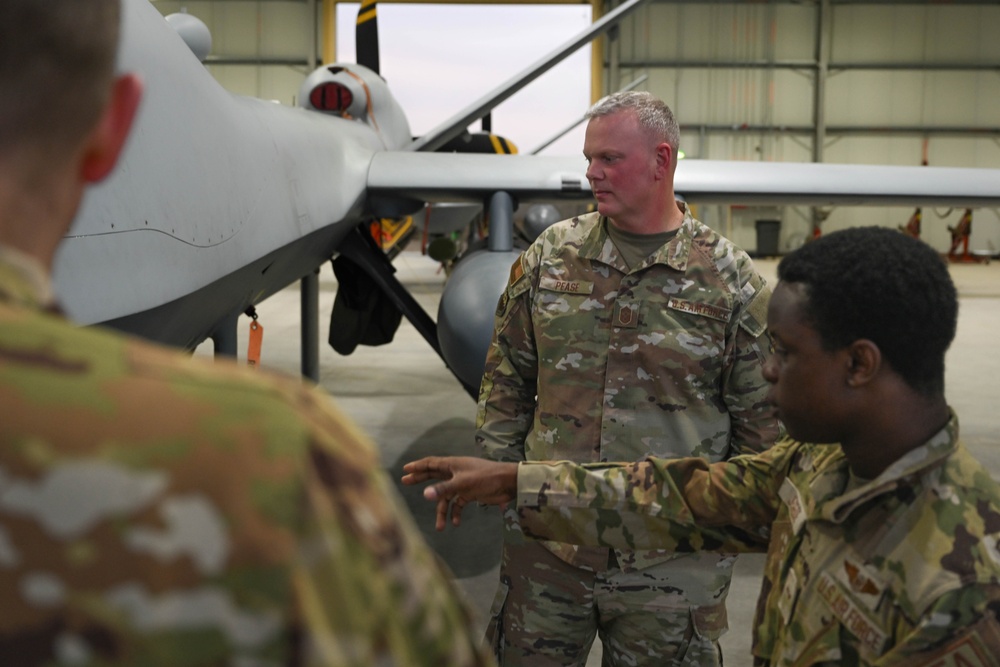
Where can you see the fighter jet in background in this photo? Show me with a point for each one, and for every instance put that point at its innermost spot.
(222, 200)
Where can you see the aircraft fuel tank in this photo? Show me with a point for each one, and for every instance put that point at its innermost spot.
(466, 312)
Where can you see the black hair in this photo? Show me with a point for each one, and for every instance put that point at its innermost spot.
(879, 284)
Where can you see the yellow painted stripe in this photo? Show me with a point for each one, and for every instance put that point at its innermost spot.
(367, 16)
(367, 3)
(329, 31)
(497, 147)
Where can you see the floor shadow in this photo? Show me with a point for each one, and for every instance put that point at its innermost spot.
(474, 548)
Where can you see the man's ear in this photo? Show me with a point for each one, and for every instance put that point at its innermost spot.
(664, 157)
(109, 134)
(864, 360)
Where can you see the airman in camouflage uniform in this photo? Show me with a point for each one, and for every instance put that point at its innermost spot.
(902, 569)
(155, 510)
(616, 340)
(882, 549)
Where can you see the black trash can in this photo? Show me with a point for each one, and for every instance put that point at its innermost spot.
(768, 233)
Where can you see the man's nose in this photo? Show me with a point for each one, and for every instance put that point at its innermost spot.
(770, 369)
(592, 171)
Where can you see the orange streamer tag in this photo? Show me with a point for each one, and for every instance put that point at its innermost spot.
(253, 348)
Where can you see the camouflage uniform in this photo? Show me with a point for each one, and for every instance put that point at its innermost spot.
(902, 569)
(156, 510)
(665, 360)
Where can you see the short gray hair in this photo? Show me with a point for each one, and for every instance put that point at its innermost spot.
(652, 112)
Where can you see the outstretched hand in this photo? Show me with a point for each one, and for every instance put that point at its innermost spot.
(466, 479)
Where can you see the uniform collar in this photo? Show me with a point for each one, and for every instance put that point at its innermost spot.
(24, 281)
(597, 245)
(903, 472)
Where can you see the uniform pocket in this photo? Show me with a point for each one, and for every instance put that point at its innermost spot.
(494, 630)
(710, 622)
(700, 645)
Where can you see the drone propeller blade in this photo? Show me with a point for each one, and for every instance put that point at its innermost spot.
(366, 35)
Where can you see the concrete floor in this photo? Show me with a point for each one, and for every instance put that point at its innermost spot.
(404, 397)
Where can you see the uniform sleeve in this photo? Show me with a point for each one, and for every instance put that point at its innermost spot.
(509, 386)
(369, 590)
(960, 629)
(754, 424)
(677, 504)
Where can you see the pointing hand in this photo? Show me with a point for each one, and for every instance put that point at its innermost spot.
(466, 479)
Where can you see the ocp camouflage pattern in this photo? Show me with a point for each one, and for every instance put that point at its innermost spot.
(661, 360)
(903, 569)
(158, 510)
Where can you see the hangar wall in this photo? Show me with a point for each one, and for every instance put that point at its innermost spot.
(830, 80)
(259, 48)
(850, 82)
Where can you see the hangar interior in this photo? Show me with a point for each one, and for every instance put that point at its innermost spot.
(841, 81)
(827, 80)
